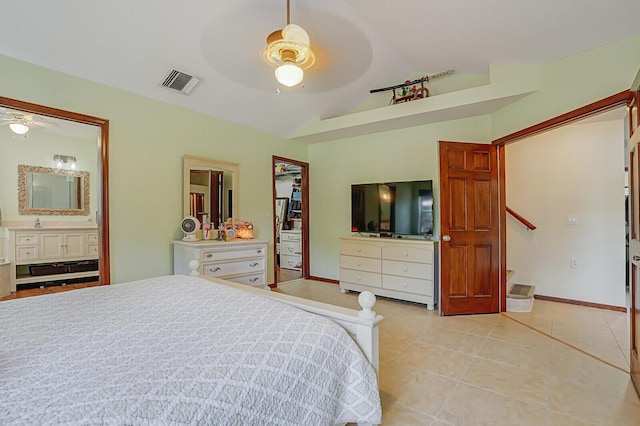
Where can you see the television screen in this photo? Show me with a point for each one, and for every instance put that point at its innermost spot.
(393, 208)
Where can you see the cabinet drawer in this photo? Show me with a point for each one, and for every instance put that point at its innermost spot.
(361, 277)
(92, 237)
(409, 254)
(407, 269)
(92, 250)
(289, 236)
(223, 269)
(254, 280)
(361, 264)
(291, 261)
(360, 249)
(408, 285)
(233, 254)
(290, 247)
(26, 253)
(26, 239)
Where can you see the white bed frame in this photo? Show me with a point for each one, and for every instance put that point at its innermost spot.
(361, 325)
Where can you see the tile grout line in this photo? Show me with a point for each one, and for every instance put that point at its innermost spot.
(566, 343)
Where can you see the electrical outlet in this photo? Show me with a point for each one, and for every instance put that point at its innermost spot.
(574, 263)
(572, 220)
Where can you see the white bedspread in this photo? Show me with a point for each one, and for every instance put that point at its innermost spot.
(177, 350)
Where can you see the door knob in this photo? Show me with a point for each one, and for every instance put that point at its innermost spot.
(446, 238)
(636, 258)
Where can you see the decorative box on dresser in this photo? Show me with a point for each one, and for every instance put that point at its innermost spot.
(404, 269)
(51, 253)
(241, 261)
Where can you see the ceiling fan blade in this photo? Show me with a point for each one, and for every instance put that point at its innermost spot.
(45, 124)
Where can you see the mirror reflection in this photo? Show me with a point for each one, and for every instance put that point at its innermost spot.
(48, 191)
(210, 189)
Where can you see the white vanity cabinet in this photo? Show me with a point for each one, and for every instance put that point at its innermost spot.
(73, 251)
(241, 261)
(402, 269)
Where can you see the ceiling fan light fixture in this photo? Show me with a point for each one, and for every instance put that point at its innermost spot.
(289, 74)
(19, 128)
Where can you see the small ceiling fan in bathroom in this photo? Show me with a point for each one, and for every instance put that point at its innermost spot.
(20, 122)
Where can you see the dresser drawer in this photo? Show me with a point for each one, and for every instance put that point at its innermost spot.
(408, 285)
(254, 280)
(26, 239)
(409, 254)
(360, 277)
(289, 236)
(361, 263)
(407, 269)
(360, 249)
(243, 253)
(92, 237)
(290, 247)
(26, 253)
(291, 261)
(222, 269)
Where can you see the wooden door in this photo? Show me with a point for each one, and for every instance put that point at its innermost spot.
(634, 229)
(469, 228)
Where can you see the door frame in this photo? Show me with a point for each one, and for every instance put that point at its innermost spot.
(104, 263)
(611, 102)
(304, 173)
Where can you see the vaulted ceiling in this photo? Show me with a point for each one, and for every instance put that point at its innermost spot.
(360, 45)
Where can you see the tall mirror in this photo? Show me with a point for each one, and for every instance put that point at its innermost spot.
(210, 189)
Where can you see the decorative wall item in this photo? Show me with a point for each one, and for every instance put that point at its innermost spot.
(409, 91)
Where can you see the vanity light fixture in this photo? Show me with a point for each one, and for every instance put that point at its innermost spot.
(61, 160)
(290, 50)
(19, 128)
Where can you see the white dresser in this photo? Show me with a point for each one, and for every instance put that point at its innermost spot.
(241, 261)
(291, 249)
(402, 269)
(51, 253)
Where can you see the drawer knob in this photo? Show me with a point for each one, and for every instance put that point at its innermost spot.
(209, 255)
(404, 285)
(215, 270)
(253, 265)
(359, 250)
(405, 254)
(253, 280)
(359, 278)
(404, 269)
(359, 264)
(259, 251)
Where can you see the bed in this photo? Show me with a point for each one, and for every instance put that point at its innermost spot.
(184, 350)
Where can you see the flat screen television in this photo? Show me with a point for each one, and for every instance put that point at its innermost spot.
(393, 208)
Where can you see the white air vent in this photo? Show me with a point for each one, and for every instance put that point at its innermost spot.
(180, 81)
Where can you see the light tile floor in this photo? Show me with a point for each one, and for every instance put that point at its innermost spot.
(492, 370)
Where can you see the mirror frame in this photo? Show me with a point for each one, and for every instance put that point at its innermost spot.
(190, 161)
(102, 220)
(24, 190)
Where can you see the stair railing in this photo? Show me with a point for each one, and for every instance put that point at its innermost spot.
(530, 226)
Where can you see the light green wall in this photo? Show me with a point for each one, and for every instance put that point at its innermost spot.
(38, 149)
(147, 141)
(571, 83)
(399, 155)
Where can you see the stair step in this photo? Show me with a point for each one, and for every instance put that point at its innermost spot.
(520, 298)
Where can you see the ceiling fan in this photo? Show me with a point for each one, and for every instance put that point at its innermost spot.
(289, 49)
(20, 122)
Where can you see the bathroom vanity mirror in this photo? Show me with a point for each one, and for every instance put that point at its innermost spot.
(48, 191)
(210, 189)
